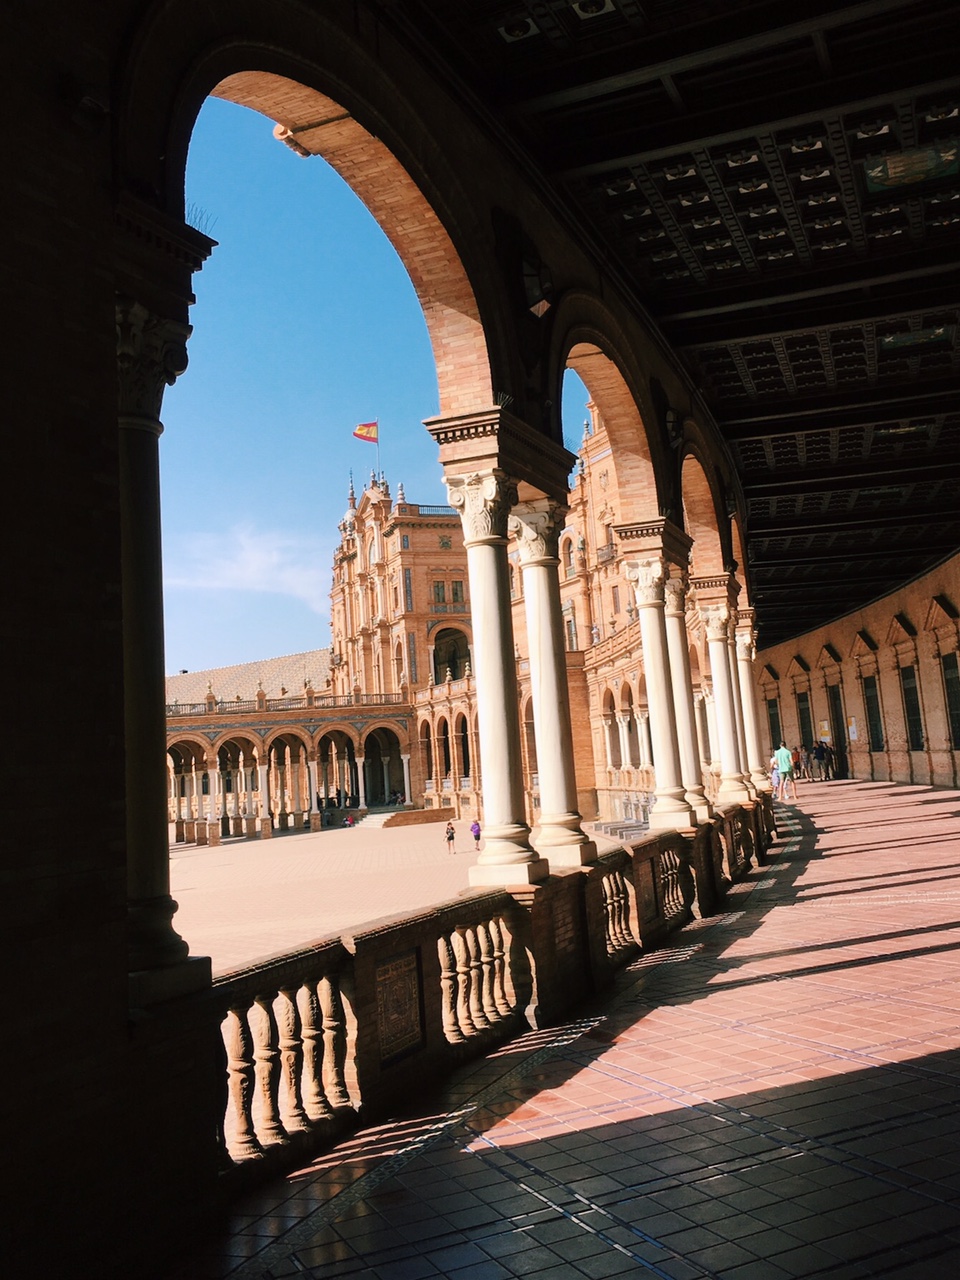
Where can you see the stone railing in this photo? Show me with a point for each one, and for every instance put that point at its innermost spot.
(357, 1023)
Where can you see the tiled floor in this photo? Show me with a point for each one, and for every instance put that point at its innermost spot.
(774, 1095)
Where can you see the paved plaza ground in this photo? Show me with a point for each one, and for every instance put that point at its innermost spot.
(244, 900)
(775, 1094)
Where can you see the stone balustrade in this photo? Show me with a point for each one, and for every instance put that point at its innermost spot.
(350, 1026)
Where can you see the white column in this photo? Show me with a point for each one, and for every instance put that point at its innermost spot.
(313, 786)
(263, 777)
(643, 734)
(738, 706)
(670, 809)
(362, 780)
(623, 729)
(713, 732)
(560, 836)
(507, 858)
(732, 788)
(746, 653)
(608, 723)
(407, 801)
(385, 765)
(675, 590)
(213, 772)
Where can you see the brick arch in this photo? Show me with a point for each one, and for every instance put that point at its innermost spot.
(700, 518)
(316, 124)
(367, 111)
(631, 457)
(737, 550)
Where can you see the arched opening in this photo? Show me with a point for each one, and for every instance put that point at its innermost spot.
(237, 758)
(383, 768)
(426, 755)
(463, 747)
(444, 755)
(611, 731)
(451, 652)
(336, 766)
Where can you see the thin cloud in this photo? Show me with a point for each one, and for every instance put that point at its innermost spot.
(249, 559)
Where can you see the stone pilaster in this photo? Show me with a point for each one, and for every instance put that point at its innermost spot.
(717, 618)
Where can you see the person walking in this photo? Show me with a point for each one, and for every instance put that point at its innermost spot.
(784, 758)
(820, 758)
(450, 835)
(475, 832)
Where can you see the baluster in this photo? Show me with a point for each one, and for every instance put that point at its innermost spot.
(623, 910)
(608, 915)
(311, 1032)
(500, 974)
(239, 1130)
(448, 991)
(487, 977)
(477, 1013)
(266, 1057)
(334, 1042)
(291, 1060)
(462, 955)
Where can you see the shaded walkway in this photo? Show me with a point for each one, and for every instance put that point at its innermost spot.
(774, 1095)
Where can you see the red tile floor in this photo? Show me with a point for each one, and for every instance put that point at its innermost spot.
(775, 1094)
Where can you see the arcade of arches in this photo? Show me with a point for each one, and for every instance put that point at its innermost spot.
(600, 644)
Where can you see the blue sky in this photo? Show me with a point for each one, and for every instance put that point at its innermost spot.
(305, 324)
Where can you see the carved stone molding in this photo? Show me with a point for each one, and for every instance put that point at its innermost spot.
(746, 648)
(483, 501)
(647, 578)
(536, 527)
(151, 355)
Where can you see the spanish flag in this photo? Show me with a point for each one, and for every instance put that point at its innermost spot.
(369, 431)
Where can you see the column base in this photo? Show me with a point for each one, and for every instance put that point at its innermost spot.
(562, 841)
(201, 833)
(504, 874)
(316, 821)
(700, 805)
(249, 827)
(266, 829)
(732, 791)
(213, 833)
(672, 819)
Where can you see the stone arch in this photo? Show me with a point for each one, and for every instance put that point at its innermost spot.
(444, 748)
(461, 733)
(739, 561)
(336, 749)
(529, 737)
(700, 518)
(425, 742)
(329, 93)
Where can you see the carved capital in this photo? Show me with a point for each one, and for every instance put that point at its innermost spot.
(647, 578)
(674, 596)
(484, 501)
(536, 527)
(151, 355)
(746, 647)
(716, 618)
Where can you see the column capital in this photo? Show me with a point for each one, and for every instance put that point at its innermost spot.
(151, 354)
(746, 646)
(647, 577)
(716, 618)
(675, 595)
(536, 526)
(483, 500)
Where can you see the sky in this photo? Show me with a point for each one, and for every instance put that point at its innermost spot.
(305, 325)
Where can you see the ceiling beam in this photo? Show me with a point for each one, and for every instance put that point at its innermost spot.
(934, 549)
(857, 311)
(842, 409)
(826, 480)
(855, 522)
(747, 46)
(856, 277)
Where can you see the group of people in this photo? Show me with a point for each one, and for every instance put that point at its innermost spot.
(788, 764)
(450, 835)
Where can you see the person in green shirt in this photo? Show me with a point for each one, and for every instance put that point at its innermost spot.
(784, 758)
